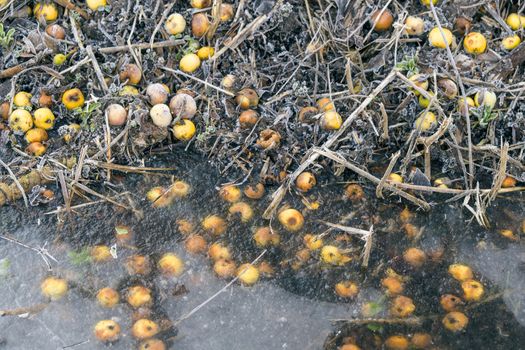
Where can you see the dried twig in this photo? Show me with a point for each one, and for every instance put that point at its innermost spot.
(278, 195)
(412, 321)
(160, 23)
(70, 6)
(21, 311)
(178, 72)
(42, 251)
(205, 302)
(335, 157)
(465, 110)
(246, 32)
(379, 188)
(98, 72)
(141, 46)
(500, 175)
(365, 235)
(18, 185)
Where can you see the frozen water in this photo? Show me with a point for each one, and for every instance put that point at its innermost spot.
(260, 317)
(505, 268)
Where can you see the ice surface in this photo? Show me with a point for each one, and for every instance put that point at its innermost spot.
(505, 268)
(260, 317)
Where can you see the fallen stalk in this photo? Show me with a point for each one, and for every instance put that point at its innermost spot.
(72, 7)
(141, 46)
(278, 195)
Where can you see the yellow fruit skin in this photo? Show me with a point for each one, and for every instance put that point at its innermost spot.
(200, 4)
(248, 274)
(36, 135)
(423, 101)
(305, 181)
(128, 90)
(455, 321)
(175, 24)
(242, 209)
(59, 59)
(217, 252)
(22, 99)
(107, 331)
(436, 39)
(461, 104)
(230, 193)
(95, 4)
(346, 289)
(143, 329)
(515, 21)
(130, 74)
(420, 81)
(152, 344)
(73, 98)
(427, 2)
(247, 98)
(414, 25)
(214, 224)
(475, 43)
(265, 237)
(107, 297)
(331, 255)
(510, 42)
(402, 306)
(485, 98)
(155, 193)
(396, 342)
(184, 130)
(312, 242)
(44, 118)
(206, 52)
(472, 290)
(331, 120)
(36, 148)
(171, 264)
(180, 189)
(20, 120)
(460, 272)
(190, 63)
(54, 288)
(381, 20)
(425, 122)
(47, 11)
(139, 296)
(101, 253)
(325, 104)
(395, 178)
(291, 219)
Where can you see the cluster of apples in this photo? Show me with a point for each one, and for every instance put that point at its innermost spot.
(200, 26)
(141, 299)
(35, 126)
(138, 296)
(473, 42)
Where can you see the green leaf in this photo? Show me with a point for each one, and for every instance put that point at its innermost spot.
(409, 64)
(121, 230)
(374, 327)
(375, 308)
(80, 257)
(5, 264)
